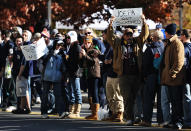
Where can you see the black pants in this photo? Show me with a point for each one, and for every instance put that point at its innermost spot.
(36, 88)
(9, 92)
(129, 86)
(175, 96)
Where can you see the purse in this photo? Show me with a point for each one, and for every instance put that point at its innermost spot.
(79, 72)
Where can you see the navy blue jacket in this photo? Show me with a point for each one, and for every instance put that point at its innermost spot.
(5, 51)
(187, 61)
(1, 59)
(54, 69)
(100, 45)
(148, 57)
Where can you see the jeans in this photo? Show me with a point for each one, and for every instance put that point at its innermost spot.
(187, 104)
(165, 104)
(93, 87)
(58, 97)
(74, 91)
(150, 90)
(102, 90)
(159, 108)
(138, 107)
(175, 98)
(102, 96)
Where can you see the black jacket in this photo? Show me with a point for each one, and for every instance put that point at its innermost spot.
(148, 57)
(187, 61)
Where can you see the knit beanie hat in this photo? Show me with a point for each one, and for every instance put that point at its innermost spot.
(171, 29)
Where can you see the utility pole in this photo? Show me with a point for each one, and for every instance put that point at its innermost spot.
(49, 12)
(180, 14)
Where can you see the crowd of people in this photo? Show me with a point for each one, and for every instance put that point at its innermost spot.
(126, 71)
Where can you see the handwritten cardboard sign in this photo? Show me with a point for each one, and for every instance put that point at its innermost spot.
(129, 16)
(35, 51)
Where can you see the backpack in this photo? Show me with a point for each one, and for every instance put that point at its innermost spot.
(157, 58)
(156, 61)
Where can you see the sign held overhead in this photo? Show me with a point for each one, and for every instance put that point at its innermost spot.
(129, 16)
(35, 51)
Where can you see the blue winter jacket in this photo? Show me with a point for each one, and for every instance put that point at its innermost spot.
(100, 45)
(187, 61)
(148, 57)
(54, 69)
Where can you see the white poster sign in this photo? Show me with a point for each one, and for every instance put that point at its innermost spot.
(35, 51)
(129, 16)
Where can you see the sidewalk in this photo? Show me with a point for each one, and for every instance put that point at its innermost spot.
(84, 97)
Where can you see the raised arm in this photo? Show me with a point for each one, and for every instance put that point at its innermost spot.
(110, 35)
(144, 33)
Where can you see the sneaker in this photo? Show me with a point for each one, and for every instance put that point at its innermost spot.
(52, 111)
(64, 115)
(137, 120)
(45, 116)
(168, 125)
(178, 126)
(10, 108)
(129, 123)
(18, 111)
(27, 111)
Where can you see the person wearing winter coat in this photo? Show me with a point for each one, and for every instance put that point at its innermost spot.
(127, 60)
(172, 78)
(91, 62)
(54, 67)
(73, 69)
(185, 38)
(151, 58)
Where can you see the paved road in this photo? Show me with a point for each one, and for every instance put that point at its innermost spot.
(10, 122)
(33, 122)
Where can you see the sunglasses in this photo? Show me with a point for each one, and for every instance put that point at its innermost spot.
(87, 33)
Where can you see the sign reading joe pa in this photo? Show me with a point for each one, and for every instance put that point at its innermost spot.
(129, 16)
(35, 51)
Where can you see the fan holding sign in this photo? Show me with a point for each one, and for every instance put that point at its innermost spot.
(127, 62)
(35, 51)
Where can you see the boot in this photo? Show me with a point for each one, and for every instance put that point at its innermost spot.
(94, 115)
(71, 110)
(110, 118)
(90, 102)
(76, 112)
(119, 117)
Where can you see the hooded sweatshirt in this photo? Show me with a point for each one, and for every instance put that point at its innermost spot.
(149, 55)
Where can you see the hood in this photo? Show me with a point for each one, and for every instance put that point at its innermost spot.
(157, 44)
